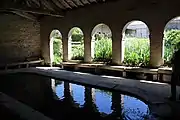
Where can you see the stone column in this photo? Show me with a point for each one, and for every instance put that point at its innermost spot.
(51, 52)
(156, 48)
(117, 47)
(45, 44)
(65, 48)
(88, 48)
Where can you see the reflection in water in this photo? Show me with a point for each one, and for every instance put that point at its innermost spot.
(106, 103)
(134, 108)
(117, 102)
(64, 100)
(59, 90)
(103, 101)
(68, 99)
(78, 94)
(89, 100)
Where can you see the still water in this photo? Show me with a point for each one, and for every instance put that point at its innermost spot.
(63, 100)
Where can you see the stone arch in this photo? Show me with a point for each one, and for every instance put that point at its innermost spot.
(75, 44)
(171, 33)
(135, 29)
(102, 30)
(55, 35)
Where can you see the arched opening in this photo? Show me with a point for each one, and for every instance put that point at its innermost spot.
(136, 44)
(56, 47)
(76, 44)
(171, 39)
(101, 44)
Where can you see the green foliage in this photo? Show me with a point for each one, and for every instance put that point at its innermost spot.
(172, 40)
(137, 52)
(103, 50)
(77, 35)
(56, 34)
(57, 51)
(77, 44)
(78, 52)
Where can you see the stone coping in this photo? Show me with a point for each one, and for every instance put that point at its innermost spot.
(164, 70)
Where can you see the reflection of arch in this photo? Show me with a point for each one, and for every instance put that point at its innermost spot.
(54, 34)
(135, 29)
(70, 42)
(102, 30)
(172, 28)
(78, 94)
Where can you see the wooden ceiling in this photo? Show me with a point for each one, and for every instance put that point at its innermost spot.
(55, 8)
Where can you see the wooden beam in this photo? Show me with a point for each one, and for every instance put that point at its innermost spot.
(78, 2)
(85, 1)
(58, 4)
(71, 3)
(25, 15)
(37, 11)
(22, 14)
(65, 4)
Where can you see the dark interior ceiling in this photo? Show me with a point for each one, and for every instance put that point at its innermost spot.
(33, 8)
(57, 8)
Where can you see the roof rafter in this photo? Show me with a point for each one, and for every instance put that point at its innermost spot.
(71, 3)
(65, 4)
(25, 15)
(36, 11)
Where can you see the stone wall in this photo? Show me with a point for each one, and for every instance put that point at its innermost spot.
(19, 38)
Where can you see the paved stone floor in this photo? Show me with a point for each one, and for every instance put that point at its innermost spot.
(154, 93)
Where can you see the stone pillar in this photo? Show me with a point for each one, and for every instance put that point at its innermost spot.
(51, 52)
(117, 47)
(156, 47)
(88, 48)
(65, 48)
(45, 44)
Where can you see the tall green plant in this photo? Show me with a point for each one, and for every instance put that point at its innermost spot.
(78, 52)
(103, 50)
(137, 52)
(57, 50)
(172, 38)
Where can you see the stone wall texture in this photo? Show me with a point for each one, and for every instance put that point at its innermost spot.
(19, 39)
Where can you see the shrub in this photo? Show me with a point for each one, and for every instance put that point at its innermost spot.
(137, 52)
(172, 38)
(78, 52)
(57, 51)
(103, 50)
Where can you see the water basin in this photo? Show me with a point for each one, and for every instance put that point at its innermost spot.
(62, 100)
